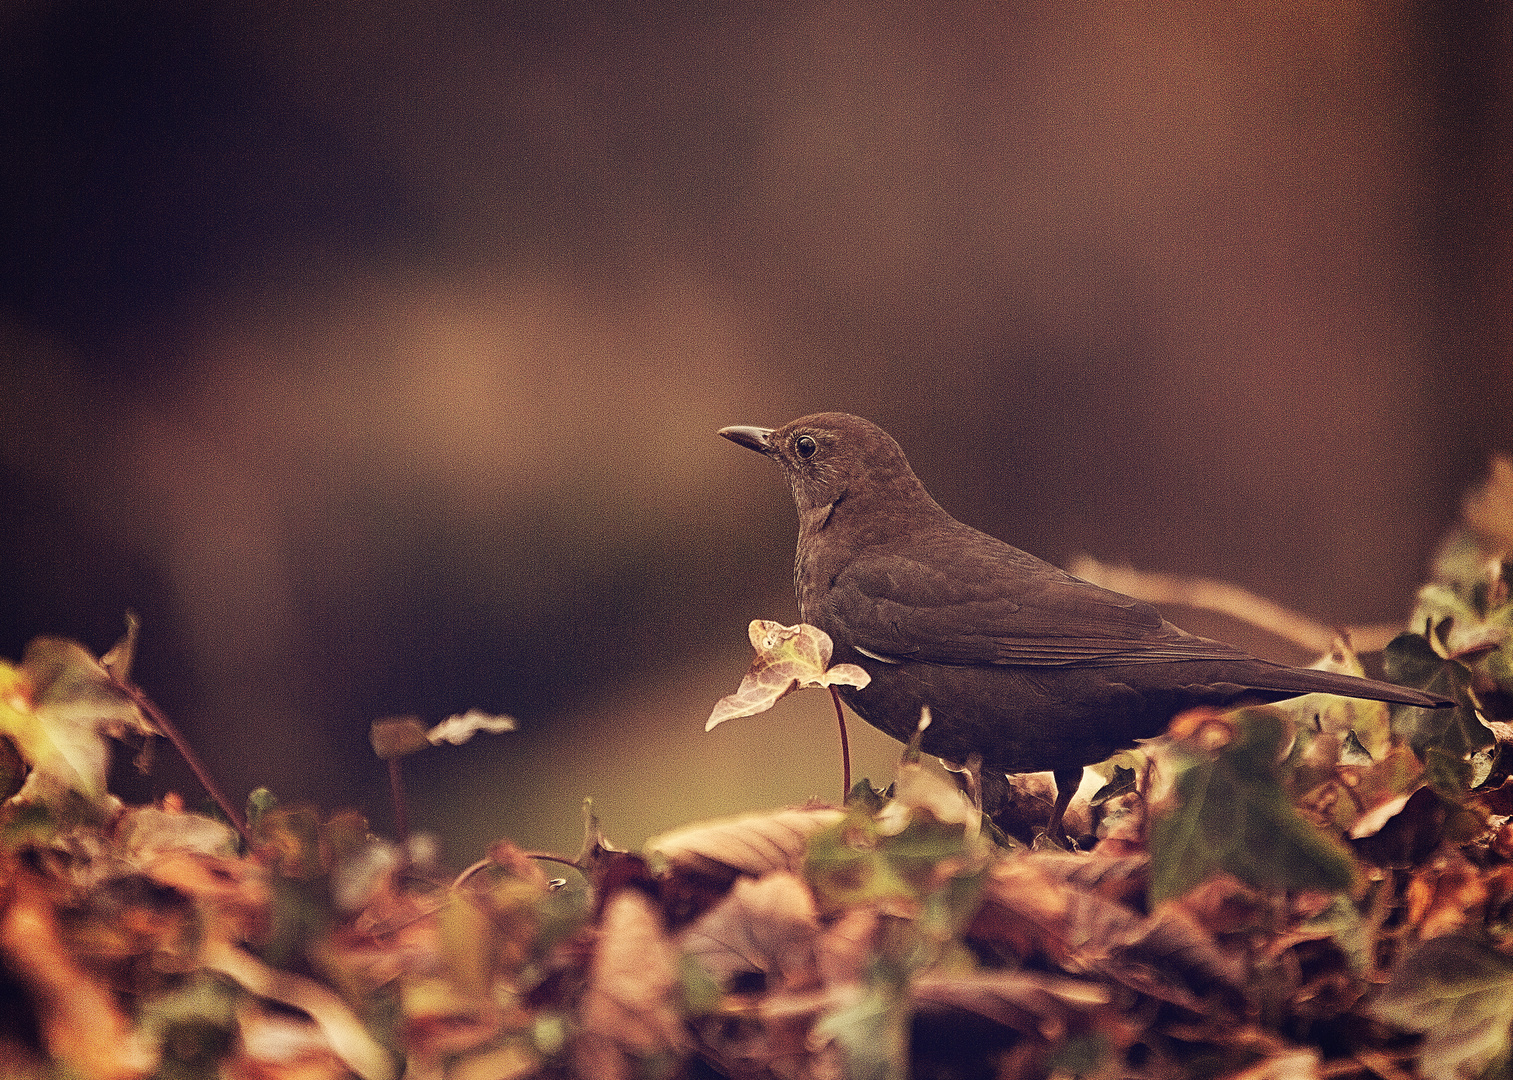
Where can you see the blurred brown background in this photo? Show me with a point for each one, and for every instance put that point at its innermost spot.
(374, 352)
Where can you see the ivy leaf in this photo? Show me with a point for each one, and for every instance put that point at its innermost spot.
(1410, 660)
(921, 852)
(1365, 724)
(61, 707)
(788, 658)
(1451, 735)
(1458, 990)
(845, 867)
(1230, 812)
(1462, 627)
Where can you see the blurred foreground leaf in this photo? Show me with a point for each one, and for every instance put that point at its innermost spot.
(1458, 990)
(60, 708)
(1230, 812)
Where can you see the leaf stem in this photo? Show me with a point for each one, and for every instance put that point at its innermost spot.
(397, 797)
(840, 718)
(201, 773)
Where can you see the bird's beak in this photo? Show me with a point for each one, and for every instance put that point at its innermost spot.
(752, 438)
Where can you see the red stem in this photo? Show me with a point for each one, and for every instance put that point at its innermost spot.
(840, 718)
(397, 794)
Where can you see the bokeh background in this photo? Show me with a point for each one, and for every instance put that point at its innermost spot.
(373, 352)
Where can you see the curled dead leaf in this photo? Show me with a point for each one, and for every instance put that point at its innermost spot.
(765, 927)
(629, 1008)
(1028, 1001)
(751, 844)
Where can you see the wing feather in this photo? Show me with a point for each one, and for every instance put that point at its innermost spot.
(999, 605)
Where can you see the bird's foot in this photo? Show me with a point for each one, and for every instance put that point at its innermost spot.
(1045, 840)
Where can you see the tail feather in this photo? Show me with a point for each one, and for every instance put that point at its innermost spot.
(1308, 681)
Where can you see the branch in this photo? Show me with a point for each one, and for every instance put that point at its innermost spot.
(1232, 600)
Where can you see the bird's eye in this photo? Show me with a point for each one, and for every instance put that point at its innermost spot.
(804, 446)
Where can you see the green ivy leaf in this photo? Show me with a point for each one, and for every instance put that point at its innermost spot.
(873, 1030)
(864, 797)
(906, 854)
(1455, 734)
(1231, 813)
(844, 866)
(1410, 660)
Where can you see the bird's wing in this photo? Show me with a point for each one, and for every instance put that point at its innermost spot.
(998, 605)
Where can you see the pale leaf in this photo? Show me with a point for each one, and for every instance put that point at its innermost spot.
(461, 727)
(768, 926)
(752, 844)
(629, 1011)
(788, 658)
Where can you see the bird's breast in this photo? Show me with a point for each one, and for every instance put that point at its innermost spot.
(810, 580)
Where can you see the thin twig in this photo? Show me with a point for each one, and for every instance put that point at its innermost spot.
(201, 773)
(540, 856)
(1228, 599)
(547, 856)
(397, 797)
(840, 718)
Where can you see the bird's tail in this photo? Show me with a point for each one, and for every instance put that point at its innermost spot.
(1308, 681)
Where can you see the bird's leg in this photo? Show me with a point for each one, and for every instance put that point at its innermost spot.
(1067, 783)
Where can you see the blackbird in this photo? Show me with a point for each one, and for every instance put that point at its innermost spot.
(1021, 663)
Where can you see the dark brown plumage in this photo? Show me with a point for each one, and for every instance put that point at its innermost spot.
(1020, 662)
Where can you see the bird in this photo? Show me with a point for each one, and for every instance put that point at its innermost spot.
(1019, 662)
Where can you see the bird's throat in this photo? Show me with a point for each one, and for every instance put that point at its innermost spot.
(817, 518)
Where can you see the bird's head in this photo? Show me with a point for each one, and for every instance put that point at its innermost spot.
(833, 457)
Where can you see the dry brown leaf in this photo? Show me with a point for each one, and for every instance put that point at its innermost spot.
(1024, 910)
(275, 1045)
(845, 946)
(1443, 895)
(628, 1010)
(512, 1061)
(232, 893)
(1028, 1001)
(1176, 941)
(441, 1020)
(768, 926)
(348, 1038)
(752, 844)
(1121, 877)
